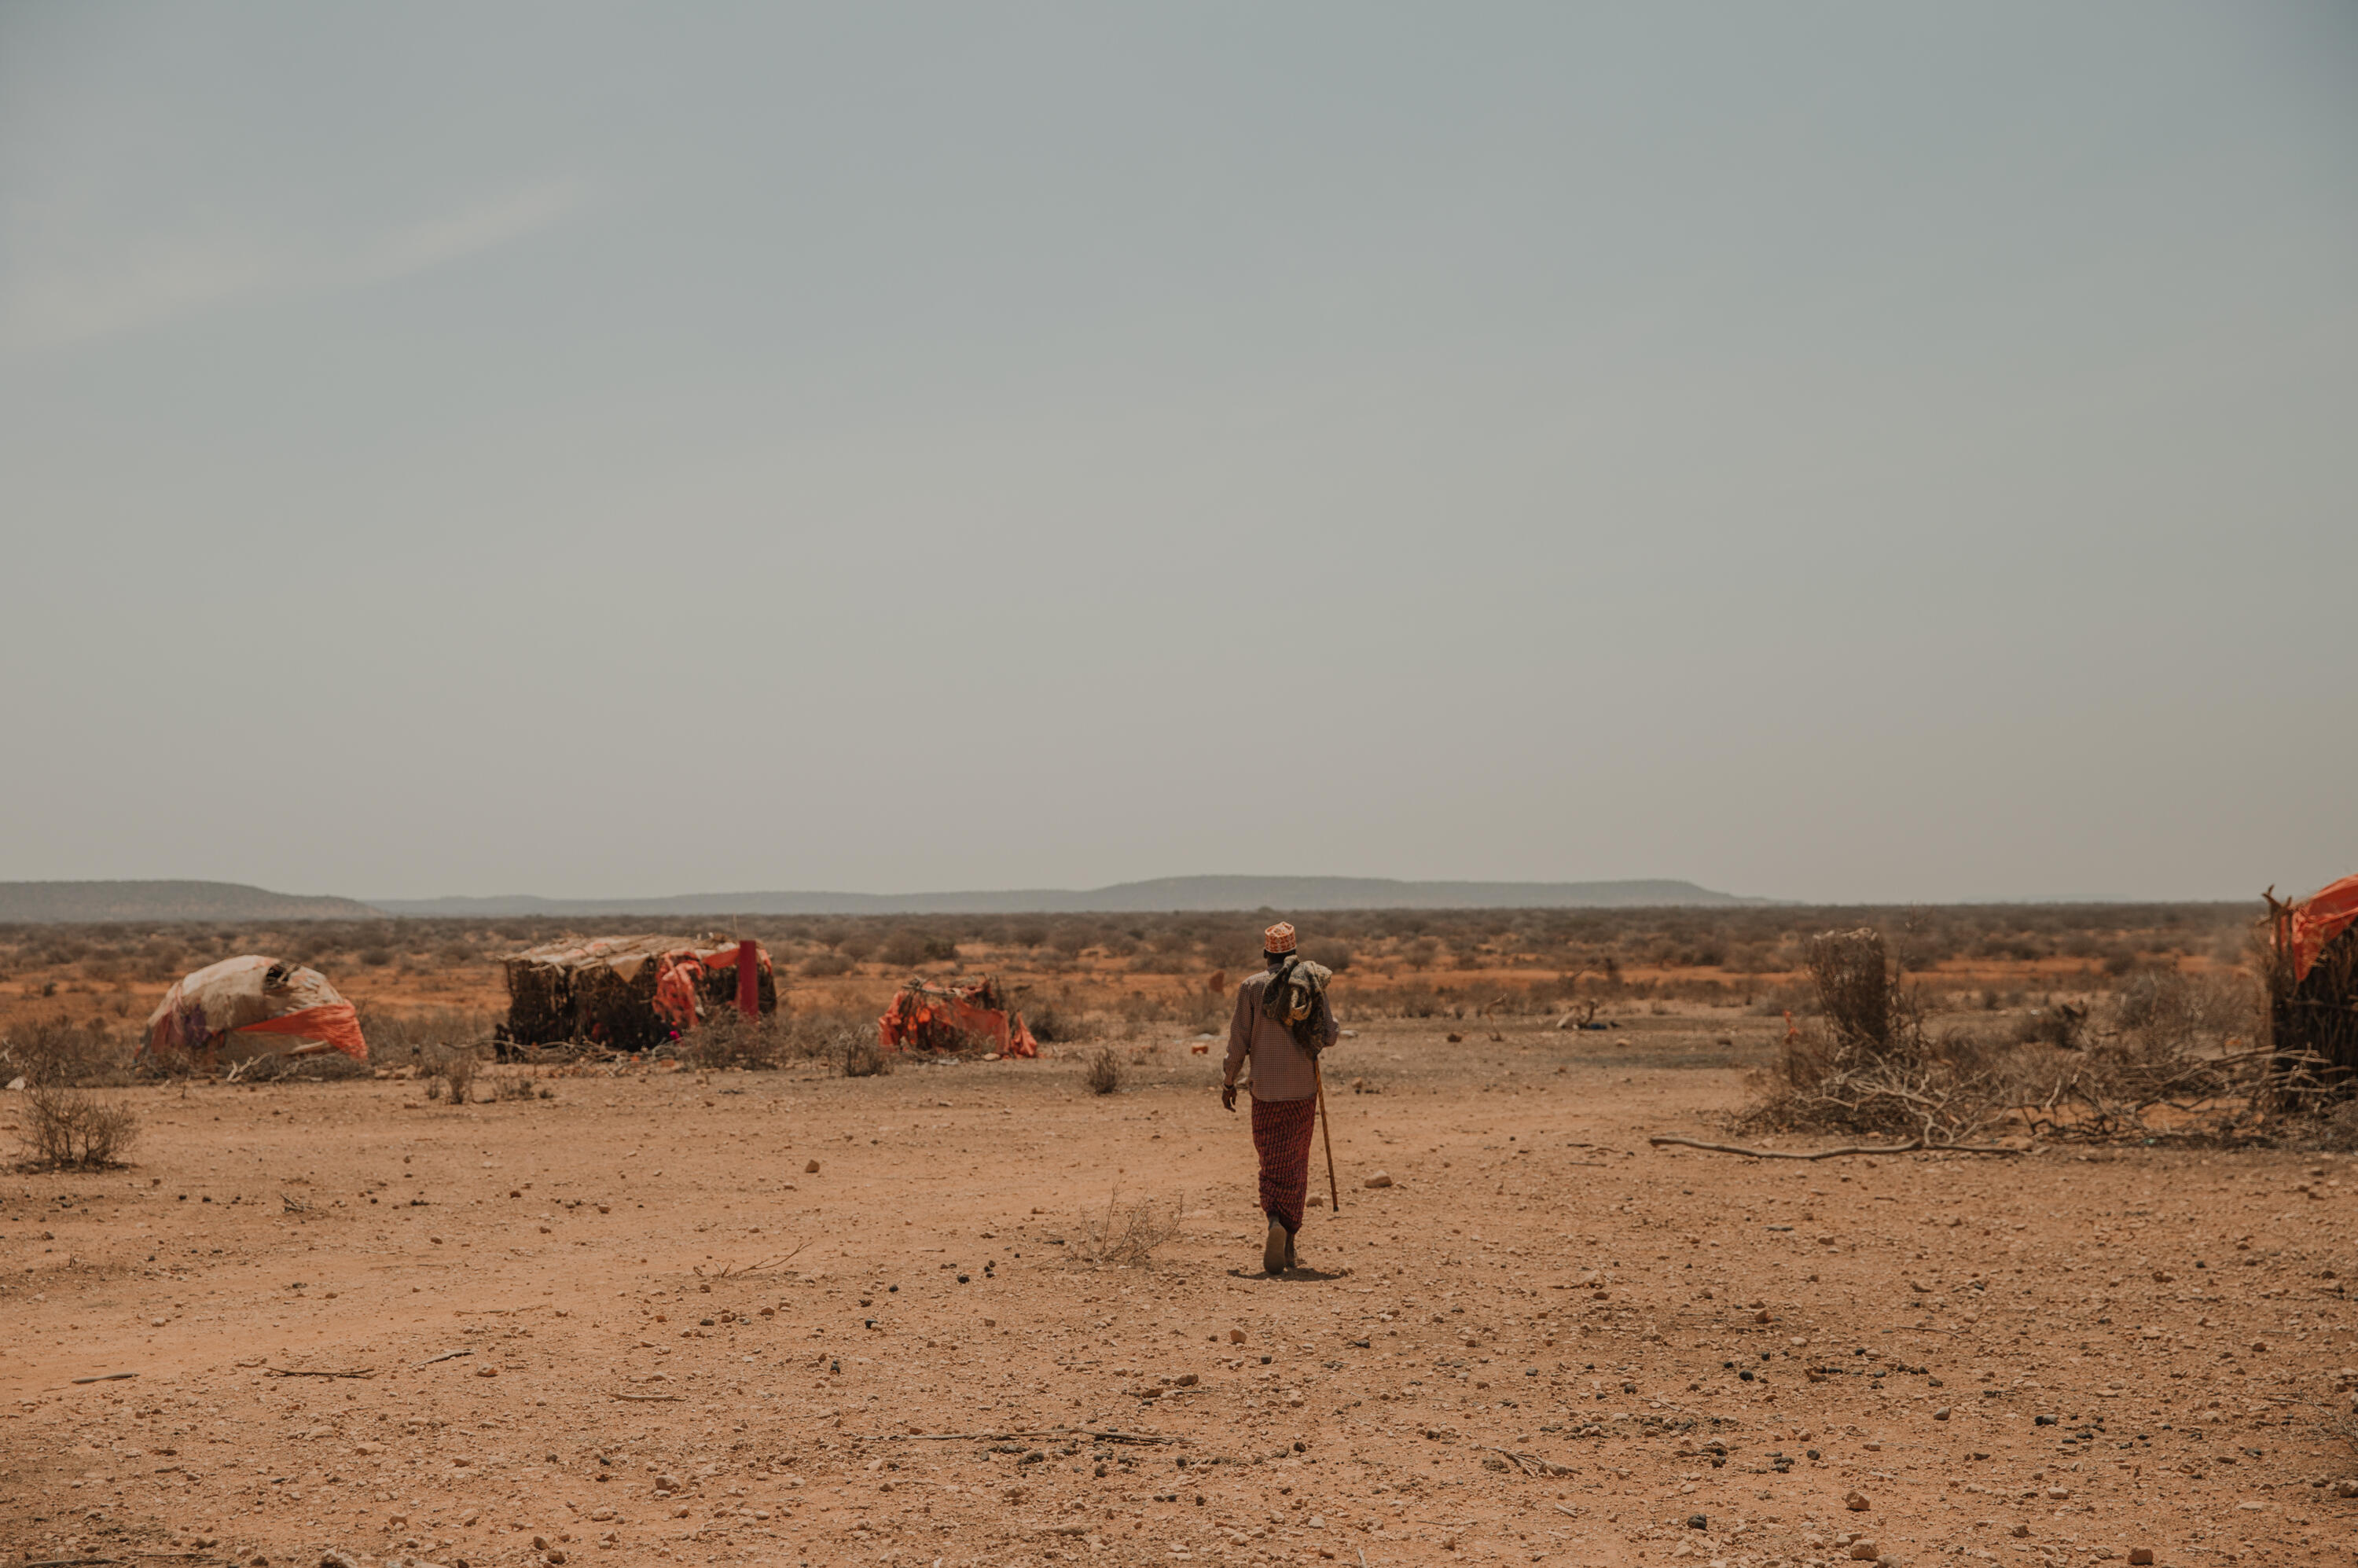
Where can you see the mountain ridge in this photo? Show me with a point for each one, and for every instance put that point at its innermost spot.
(66, 903)
(1159, 895)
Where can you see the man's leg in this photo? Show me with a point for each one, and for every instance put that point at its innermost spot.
(1281, 1136)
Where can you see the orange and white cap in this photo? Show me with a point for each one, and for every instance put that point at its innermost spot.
(1277, 938)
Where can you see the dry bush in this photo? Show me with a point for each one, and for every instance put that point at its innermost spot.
(729, 1038)
(1869, 1066)
(864, 1058)
(58, 1051)
(1052, 1024)
(1103, 1075)
(1125, 1235)
(421, 1034)
(67, 1127)
(450, 1069)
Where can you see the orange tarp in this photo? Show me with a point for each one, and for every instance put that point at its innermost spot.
(336, 1022)
(907, 1021)
(2307, 926)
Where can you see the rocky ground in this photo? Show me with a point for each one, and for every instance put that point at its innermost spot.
(631, 1323)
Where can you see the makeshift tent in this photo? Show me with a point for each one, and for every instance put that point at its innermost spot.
(2314, 980)
(630, 993)
(955, 1019)
(270, 1007)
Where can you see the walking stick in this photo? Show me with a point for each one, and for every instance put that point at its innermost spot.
(1319, 1078)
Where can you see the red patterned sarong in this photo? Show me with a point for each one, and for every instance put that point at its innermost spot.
(1282, 1129)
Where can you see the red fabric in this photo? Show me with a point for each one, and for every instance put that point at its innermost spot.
(2316, 920)
(1281, 1133)
(749, 977)
(1277, 938)
(675, 992)
(337, 1024)
(904, 1022)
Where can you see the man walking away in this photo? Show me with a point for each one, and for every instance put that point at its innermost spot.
(1282, 1021)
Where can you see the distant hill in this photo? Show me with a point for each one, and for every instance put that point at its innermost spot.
(55, 903)
(1160, 895)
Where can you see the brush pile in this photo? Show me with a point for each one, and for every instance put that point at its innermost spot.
(1871, 1068)
(612, 992)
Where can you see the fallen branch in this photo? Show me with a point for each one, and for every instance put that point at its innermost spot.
(1107, 1436)
(106, 1378)
(650, 1399)
(1529, 1464)
(308, 1372)
(446, 1356)
(731, 1272)
(1912, 1146)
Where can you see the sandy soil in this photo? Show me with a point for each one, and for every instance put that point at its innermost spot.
(2054, 1359)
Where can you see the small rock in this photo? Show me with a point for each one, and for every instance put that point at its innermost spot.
(1856, 1502)
(2058, 1493)
(1864, 1552)
(2139, 1556)
(1697, 1522)
(486, 1371)
(1235, 1336)
(1380, 1179)
(337, 1560)
(2019, 1531)
(1941, 1415)
(810, 1168)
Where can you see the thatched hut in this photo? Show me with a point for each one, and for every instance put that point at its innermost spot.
(2312, 983)
(628, 992)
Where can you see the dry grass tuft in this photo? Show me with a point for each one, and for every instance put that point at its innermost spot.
(71, 1128)
(1125, 1235)
(1103, 1075)
(864, 1058)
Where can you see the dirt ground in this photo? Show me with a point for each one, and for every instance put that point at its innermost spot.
(1545, 1342)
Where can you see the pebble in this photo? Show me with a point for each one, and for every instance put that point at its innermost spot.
(1856, 1502)
(810, 1168)
(1380, 1179)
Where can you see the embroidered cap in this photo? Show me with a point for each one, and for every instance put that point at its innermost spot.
(1277, 938)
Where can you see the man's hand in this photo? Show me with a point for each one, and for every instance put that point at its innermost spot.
(1228, 1096)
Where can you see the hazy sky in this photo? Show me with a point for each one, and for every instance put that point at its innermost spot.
(1866, 451)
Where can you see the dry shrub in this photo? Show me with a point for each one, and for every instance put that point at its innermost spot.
(69, 1127)
(1871, 1068)
(2164, 1060)
(1103, 1075)
(1125, 1235)
(864, 1058)
(781, 1039)
(420, 1035)
(1052, 1024)
(58, 1051)
(451, 1069)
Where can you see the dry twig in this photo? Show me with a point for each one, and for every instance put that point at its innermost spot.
(1912, 1146)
